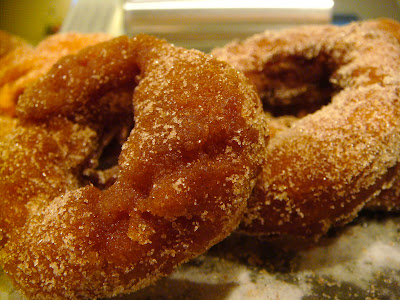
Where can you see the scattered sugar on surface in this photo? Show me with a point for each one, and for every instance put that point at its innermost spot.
(348, 265)
(244, 284)
(358, 255)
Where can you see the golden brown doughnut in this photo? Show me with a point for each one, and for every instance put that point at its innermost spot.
(185, 172)
(24, 64)
(340, 145)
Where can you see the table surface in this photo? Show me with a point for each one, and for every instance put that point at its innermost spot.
(359, 261)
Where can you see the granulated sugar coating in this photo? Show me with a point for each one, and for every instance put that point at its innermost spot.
(37, 163)
(340, 146)
(6, 125)
(186, 170)
(23, 64)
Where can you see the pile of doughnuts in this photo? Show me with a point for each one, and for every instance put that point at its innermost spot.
(122, 158)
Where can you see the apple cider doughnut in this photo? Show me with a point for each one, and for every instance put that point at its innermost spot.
(185, 171)
(333, 94)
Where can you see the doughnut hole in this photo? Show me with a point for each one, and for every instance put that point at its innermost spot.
(294, 85)
(113, 127)
(101, 169)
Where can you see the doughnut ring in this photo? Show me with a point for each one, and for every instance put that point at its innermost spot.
(185, 171)
(333, 97)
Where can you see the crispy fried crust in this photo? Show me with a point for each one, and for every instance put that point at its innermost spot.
(186, 170)
(341, 143)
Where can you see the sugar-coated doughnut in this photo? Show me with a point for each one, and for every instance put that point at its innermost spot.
(185, 171)
(333, 96)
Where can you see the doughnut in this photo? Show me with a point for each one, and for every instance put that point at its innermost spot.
(22, 65)
(332, 95)
(185, 173)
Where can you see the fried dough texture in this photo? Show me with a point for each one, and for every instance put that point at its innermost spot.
(185, 171)
(332, 93)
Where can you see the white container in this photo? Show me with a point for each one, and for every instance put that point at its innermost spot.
(209, 23)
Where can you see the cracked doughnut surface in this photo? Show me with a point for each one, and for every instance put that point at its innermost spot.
(185, 171)
(333, 97)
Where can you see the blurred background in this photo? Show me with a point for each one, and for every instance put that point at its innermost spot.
(34, 20)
